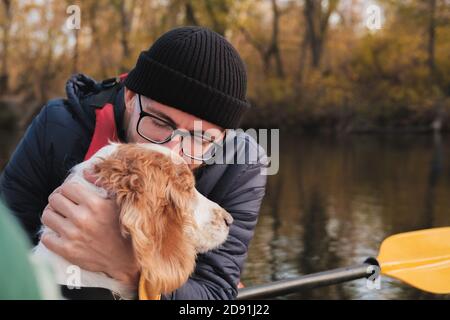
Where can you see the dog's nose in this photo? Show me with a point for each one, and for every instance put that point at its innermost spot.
(220, 213)
(227, 218)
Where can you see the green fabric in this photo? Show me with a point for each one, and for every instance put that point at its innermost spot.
(20, 278)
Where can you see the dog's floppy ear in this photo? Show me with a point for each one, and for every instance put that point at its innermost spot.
(154, 197)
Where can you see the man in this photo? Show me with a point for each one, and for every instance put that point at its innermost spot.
(189, 74)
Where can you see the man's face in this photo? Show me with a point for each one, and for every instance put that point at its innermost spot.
(180, 119)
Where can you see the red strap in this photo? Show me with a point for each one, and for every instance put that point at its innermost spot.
(105, 127)
(123, 76)
(105, 130)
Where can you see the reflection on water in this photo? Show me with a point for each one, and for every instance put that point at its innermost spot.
(335, 200)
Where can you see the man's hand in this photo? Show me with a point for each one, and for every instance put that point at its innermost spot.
(88, 233)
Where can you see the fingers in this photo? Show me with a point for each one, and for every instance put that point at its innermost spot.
(58, 223)
(75, 192)
(55, 243)
(62, 204)
(90, 177)
(57, 190)
(83, 195)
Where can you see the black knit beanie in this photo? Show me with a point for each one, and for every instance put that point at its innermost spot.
(196, 70)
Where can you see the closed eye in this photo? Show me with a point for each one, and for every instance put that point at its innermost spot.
(160, 123)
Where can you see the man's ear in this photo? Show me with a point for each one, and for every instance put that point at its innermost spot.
(129, 95)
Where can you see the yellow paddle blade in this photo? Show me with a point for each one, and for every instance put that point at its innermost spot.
(419, 258)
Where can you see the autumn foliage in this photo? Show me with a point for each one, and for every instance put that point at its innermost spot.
(312, 64)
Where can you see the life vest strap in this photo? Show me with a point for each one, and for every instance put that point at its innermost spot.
(105, 130)
(105, 123)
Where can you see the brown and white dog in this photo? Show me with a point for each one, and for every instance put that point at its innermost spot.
(167, 219)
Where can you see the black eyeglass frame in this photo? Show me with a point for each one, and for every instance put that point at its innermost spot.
(175, 131)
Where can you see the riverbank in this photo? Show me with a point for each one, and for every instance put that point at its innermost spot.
(347, 121)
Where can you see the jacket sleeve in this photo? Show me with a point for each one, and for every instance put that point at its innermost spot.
(218, 272)
(23, 183)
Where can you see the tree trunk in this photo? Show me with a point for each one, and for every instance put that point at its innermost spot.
(310, 11)
(262, 52)
(93, 9)
(6, 26)
(189, 17)
(125, 28)
(317, 22)
(216, 11)
(432, 38)
(269, 51)
(302, 66)
(75, 52)
(275, 39)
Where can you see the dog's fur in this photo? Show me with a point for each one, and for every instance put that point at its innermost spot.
(167, 219)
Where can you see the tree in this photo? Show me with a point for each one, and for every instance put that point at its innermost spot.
(431, 35)
(5, 26)
(217, 12)
(92, 19)
(125, 9)
(268, 50)
(317, 16)
(190, 18)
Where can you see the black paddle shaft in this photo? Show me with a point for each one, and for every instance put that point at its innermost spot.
(311, 281)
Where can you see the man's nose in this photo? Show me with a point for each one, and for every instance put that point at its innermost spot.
(174, 145)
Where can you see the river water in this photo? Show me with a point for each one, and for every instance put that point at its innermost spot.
(335, 199)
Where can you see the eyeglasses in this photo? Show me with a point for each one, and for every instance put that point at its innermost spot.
(194, 145)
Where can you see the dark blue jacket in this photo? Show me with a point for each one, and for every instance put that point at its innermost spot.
(59, 137)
